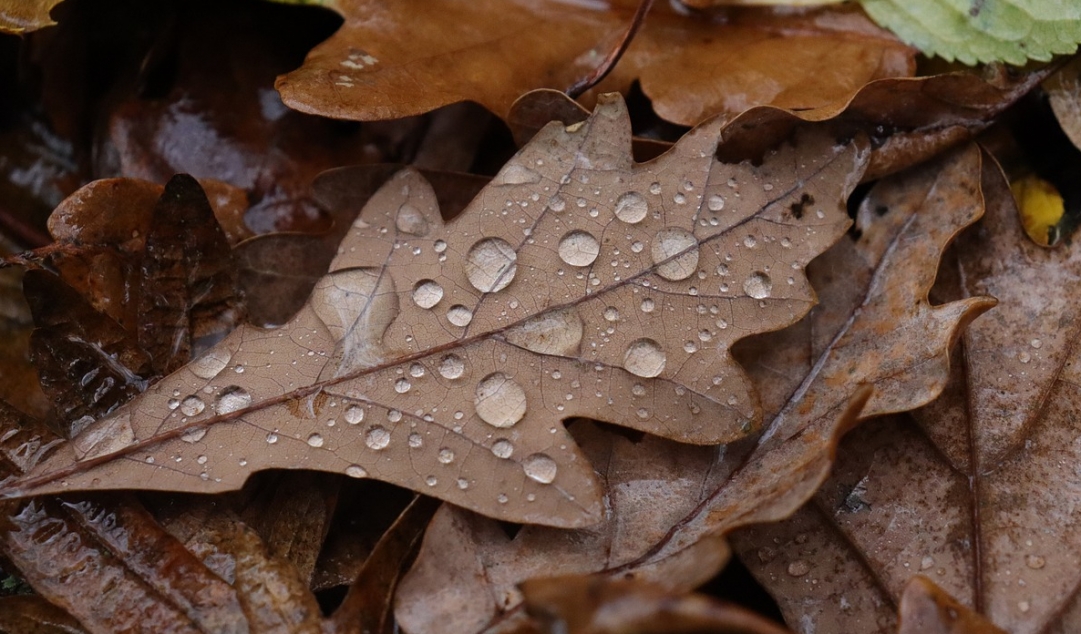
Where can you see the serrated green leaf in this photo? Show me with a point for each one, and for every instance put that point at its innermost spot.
(973, 31)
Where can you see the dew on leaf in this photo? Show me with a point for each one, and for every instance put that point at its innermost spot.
(502, 448)
(675, 252)
(540, 467)
(231, 399)
(354, 414)
(446, 455)
(193, 435)
(715, 203)
(644, 357)
(515, 174)
(558, 332)
(427, 293)
(210, 364)
(271, 438)
(451, 366)
(611, 314)
(579, 248)
(411, 221)
(499, 400)
(490, 265)
(192, 406)
(758, 285)
(416, 441)
(632, 207)
(402, 385)
(315, 440)
(378, 437)
(356, 471)
(459, 315)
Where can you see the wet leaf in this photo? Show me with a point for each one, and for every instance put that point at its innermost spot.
(430, 355)
(385, 64)
(927, 609)
(670, 505)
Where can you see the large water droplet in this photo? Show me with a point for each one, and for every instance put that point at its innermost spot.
(193, 435)
(632, 207)
(490, 265)
(645, 358)
(451, 366)
(558, 332)
(540, 467)
(459, 315)
(192, 406)
(499, 400)
(354, 414)
(402, 385)
(503, 448)
(378, 437)
(675, 251)
(427, 293)
(515, 174)
(758, 285)
(231, 399)
(715, 203)
(579, 248)
(210, 364)
(315, 440)
(356, 471)
(411, 221)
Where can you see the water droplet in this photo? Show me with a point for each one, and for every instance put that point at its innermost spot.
(540, 467)
(427, 293)
(173, 403)
(675, 251)
(632, 207)
(490, 265)
(1024, 357)
(758, 285)
(1036, 343)
(440, 246)
(416, 441)
(500, 401)
(515, 174)
(643, 413)
(648, 305)
(502, 448)
(638, 389)
(927, 562)
(690, 347)
(271, 438)
(394, 415)
(411, 221)
(416, 370)
(579, 248)
(402, 385)
(557, 204)
(192, 406)
(636, 246)
(715, 203)
(1035, 562)
(750, 242)
(193, 435)
(645, 358)
(431, 481)
(201, 459)
(558, 332)
(679, 198)
(459, 315)
(210, 364)
(378, 437)
(315, 440)
(354, 414)
(611, 314)
(463, 484)
(451, 366)
(356, 471)
(446, 455)
(231, 399)
(799, 568)
(654, 188)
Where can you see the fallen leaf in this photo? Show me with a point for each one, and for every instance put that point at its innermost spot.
(971, 491)
(1064, 93)
(670, 505)
(363, 381)
(23, 16)
(926, 609)
(34, 615)
(385, 64)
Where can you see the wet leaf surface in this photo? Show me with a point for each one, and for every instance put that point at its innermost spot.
(384, 64)
(376, 352)
(669, 505)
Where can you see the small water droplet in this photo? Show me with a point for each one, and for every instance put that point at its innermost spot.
(1036, 343)
(440, 246)
(579, 248)
(1035, 562)
(210, 364)
(315, 440)
(499, 400)
(463, 484)
(654, 188)
(611, 314)
(559, 332)
(557, 204)
(632, 208)
(715, 203)
(636, 247)
(192, 406)
(446, 455)
(638, 389)
(502, 498)
(644, 357)
(431, 481)
(540, 467)
(675, 252)
(648, 305)
(679, 198)
(459, 315)
(690, 347)
(502, 448)
(1024, 357)
(750, 242)
(378, 437)
(515, 174)
(201, 459)
(799, 568)
(427, 293)
(758, 285)
(354, 414)
(643, 413)
(411, 221)
(193, 435)
(394, 415)
(416, 370)
(416, 441)
(231, 399)
(451, 366)
(356, 471)
(927, 562)
(402, 385)
(491, 265)
(271, 438)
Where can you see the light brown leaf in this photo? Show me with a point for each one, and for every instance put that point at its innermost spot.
(976, 490)
(441, 357)
(927, 609)
(385, 64)
(24, 16)
(1064, 93)
(34, 615)
(670, 506)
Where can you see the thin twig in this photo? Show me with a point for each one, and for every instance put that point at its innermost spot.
(605, 67)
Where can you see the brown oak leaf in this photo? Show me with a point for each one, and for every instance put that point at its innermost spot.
(442, 357)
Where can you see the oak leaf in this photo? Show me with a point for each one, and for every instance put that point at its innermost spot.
(669, 505)
(384, 63)
(441, 357)
(976, 490)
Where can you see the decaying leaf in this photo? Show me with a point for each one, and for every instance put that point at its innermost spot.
(23, 16)
(974, 490)
(669, 505)
(442, 357)
(927, 609)
(384, 63)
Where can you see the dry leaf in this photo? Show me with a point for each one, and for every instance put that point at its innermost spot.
(927, 609)
(669, 505)
(23, 16)
(34, 615)
(384, 63)
(1064, 93)
(516, 301)
(973, 495)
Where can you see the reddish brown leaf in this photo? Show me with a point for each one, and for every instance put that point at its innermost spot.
(34, 615)
(384, 63)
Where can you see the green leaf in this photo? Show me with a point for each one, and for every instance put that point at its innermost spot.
(973, 31)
